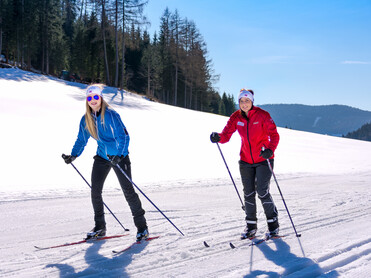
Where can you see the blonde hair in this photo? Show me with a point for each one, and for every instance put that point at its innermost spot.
(89, 121)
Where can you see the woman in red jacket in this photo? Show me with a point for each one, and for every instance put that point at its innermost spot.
(259, 140)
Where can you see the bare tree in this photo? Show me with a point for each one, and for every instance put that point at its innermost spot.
(1, 26)
(131, 13)
(117, 42)
(103, 20)
(175, 31)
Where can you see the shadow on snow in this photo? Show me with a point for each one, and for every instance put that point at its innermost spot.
(293, 265)
(100, 265)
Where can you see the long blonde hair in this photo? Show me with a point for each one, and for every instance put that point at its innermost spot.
(89, 121)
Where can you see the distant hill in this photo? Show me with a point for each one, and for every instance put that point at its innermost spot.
(363, 133)
(334, 120)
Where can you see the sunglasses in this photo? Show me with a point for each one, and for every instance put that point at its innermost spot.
(89, 98)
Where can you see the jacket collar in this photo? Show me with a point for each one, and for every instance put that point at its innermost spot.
(96, 114)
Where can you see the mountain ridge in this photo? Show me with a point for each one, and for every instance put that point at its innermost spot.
(334, 119)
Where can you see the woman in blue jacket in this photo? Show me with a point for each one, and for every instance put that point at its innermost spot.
(105, 126)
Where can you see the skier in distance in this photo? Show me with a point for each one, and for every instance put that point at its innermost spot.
(259, 139)
(105, 125)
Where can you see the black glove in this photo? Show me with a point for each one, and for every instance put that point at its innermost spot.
(266, 154)
(214, 137)
(68, 158)
(115, 159)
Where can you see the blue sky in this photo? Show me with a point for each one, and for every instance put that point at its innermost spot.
(313, 52)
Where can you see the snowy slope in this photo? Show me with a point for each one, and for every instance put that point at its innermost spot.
(325, 181)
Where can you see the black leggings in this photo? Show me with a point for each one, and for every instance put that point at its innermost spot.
(101, 168)
(256, 178)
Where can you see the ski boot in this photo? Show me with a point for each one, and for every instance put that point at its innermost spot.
(142, 234)
(249, 231)
(273, 228)
(95, 233)
(274, 233)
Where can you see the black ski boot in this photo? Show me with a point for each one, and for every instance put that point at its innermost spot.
(96, 232)
(249, 231)
(273, 227)
(142, 234)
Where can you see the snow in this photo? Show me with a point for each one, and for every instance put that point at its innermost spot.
(325, 181)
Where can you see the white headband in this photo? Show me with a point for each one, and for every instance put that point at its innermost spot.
(94, 90)
(245, 93)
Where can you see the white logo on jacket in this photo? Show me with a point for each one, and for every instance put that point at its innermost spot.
(240, 124)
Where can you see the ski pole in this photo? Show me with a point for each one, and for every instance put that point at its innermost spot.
(63, 155)
(279, 189)
(129, 179)
(235, 187)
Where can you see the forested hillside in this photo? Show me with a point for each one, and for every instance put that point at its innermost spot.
(107, 42)
(363, 133)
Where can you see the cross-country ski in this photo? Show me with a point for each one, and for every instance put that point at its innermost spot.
(134, 243)
(79, 242)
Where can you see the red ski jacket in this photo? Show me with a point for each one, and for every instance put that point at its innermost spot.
(256, 131)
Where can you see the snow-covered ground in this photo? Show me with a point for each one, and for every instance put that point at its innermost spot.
(325, 181)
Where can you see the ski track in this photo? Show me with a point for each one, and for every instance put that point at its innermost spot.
(218, 223)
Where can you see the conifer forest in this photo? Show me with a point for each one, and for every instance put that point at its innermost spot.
(106, 41)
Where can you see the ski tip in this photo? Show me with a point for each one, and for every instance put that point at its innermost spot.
(206, 245)
(38, 248)
(231, 245)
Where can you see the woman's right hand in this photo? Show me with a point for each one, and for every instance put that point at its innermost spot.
(215, 137)
(68, 158)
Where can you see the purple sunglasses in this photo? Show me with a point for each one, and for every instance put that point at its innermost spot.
(89, 98)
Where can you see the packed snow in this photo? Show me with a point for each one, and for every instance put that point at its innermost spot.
(325, 182)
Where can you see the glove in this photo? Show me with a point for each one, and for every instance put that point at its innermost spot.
(266, 154)
(115, 159)
(68, 158)
(214, 137)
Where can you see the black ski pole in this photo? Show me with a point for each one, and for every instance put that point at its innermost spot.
(279, 189)
(63, 155)
(129, 179)
(235, 187)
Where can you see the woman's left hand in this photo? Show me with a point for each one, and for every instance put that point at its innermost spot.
(115, 159)
(266, 154)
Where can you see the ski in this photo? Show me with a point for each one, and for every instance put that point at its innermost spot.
(259, 241)
(252, 243)
(242, 238)
(230, 244)
(133, 244)
(79, 242)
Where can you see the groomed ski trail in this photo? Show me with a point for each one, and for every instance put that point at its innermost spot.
(333, 237)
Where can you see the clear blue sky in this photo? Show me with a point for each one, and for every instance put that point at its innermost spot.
(313, 52)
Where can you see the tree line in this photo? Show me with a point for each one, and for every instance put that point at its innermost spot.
(363, 133)
(106, 41)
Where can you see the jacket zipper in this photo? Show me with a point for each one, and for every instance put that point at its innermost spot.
(96, 124)
(248, 140)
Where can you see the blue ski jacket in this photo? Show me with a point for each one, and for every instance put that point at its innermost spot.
(113, 138)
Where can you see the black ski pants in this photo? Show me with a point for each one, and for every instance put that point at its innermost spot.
(101, 168)
(256, 179)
